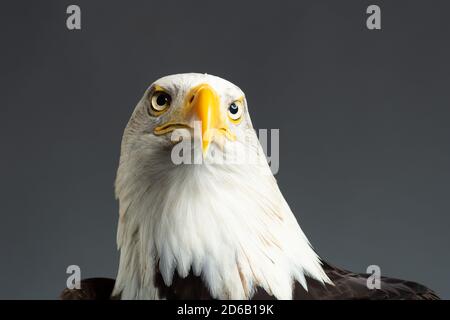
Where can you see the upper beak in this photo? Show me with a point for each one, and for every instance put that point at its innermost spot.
(206, 105)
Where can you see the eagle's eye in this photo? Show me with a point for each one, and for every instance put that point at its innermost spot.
(160, 101)
(235, 111)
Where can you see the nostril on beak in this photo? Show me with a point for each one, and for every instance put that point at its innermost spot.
(192, 98)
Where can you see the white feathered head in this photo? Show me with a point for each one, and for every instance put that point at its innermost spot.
(196, 195)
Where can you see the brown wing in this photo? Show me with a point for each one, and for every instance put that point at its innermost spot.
(353, 286)
(91, 289)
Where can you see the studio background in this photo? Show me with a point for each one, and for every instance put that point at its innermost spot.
(363, 118)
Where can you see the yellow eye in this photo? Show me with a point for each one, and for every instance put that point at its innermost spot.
(160, 101)
(235, 110)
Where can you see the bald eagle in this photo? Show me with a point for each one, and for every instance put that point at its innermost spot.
(193, 227)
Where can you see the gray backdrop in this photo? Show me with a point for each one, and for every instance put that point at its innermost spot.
(363, 118)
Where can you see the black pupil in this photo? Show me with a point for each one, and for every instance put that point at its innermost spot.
(162, 99)
(233, 108)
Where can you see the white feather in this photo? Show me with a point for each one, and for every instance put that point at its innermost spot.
(227, 223)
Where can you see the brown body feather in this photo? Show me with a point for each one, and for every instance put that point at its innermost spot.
(347, 286)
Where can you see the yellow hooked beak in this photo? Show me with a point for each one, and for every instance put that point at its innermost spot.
(206, 104)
